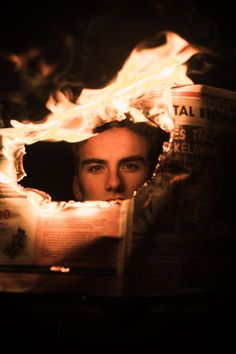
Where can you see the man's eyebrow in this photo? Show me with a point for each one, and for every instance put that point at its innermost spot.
(135, 158)
(92, 160)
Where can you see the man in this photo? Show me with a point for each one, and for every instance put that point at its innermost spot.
(117, 161)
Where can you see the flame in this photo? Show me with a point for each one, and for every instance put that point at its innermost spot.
(60, 269)
(142, 88)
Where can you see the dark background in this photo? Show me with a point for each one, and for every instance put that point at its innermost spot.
(101, 35)
(87, 42)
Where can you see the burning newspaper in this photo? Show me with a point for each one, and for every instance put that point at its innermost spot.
(174, 235)
(181, 228)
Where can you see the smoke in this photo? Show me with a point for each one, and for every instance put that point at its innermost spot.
(45, 48)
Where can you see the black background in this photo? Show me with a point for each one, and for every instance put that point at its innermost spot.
(102, 33)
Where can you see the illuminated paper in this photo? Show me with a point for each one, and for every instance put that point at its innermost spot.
(89, 238)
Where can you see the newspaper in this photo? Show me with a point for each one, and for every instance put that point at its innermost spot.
(89, 239)
(176, 236)
(184, 223)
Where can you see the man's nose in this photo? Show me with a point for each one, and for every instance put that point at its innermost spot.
(114, 181)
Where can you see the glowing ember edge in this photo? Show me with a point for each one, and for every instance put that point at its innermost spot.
(42, 201)
(60, 269)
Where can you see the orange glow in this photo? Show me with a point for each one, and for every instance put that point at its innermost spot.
(59, 269)
(141, 88)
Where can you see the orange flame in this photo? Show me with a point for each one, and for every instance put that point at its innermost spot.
(60, 269)
(141, 88)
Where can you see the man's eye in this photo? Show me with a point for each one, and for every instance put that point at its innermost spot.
(131, 166)
(95, 168)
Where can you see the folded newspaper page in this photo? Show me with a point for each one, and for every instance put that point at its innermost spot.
(176, 236)
(61, 238)
(184, 223)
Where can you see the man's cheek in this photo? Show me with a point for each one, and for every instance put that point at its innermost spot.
(94, 183)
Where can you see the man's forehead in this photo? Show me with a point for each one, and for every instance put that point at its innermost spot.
(120, 142)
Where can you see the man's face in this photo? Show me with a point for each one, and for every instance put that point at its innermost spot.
(112, 165)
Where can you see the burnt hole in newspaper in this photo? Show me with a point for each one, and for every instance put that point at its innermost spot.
(49, 168)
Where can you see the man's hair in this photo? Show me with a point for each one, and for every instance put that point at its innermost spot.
(154, 136)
